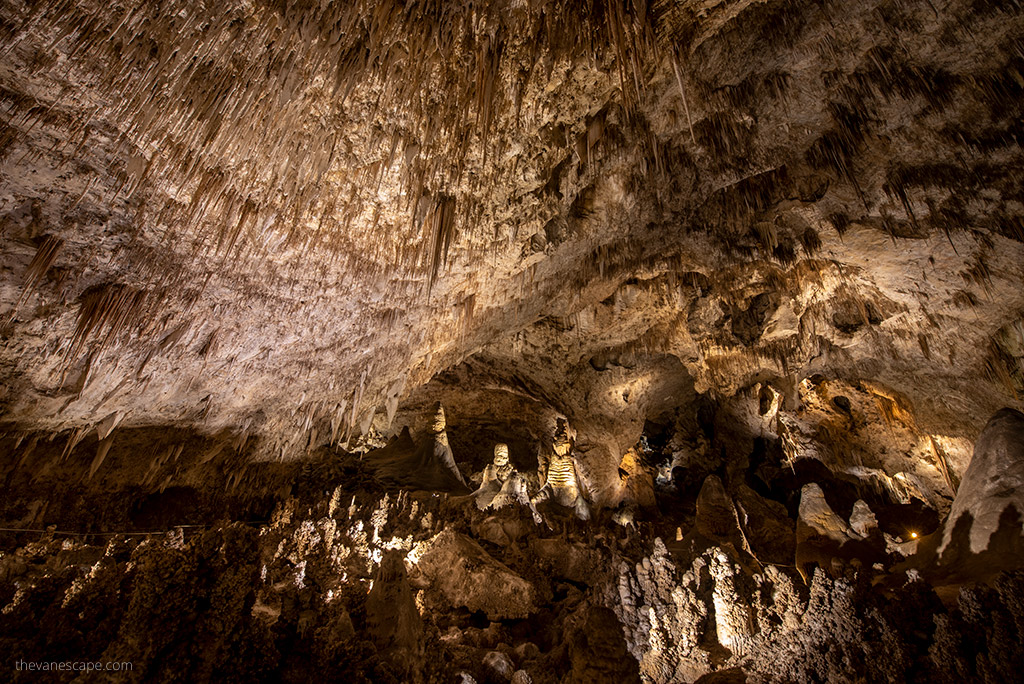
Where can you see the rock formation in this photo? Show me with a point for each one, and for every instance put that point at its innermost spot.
(722, 300)
(992, 489)
(984, 532)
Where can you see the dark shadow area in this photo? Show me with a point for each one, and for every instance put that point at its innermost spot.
(424, 465)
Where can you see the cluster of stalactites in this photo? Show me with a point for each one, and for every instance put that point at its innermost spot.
(252, 109)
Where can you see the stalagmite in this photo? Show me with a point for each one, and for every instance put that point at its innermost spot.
(494, 477)
(561, 485)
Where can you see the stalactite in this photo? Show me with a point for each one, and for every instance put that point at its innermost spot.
(102, 449)
(42, 261)
(106, 311)
(682, 92)
(186, 101)
(439, 231)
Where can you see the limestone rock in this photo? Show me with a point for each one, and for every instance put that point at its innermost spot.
(716, 515)
(734, 624)
(768, 529)
(521, 677)
(638, 483)
(467, 576)
(984, 533)
(513, 492)
(597, 650)
(817, 519)
(991, 495)
(391, 615)
(820, 533)
(244, 244)
(426, 465)
(572, 561)
(732, 675)
(664, 616)
(500, 530)
(862, 520)
(499, 664)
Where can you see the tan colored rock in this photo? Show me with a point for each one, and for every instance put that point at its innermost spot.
(820, 533)
(993, 485)
(570, 560)
(499, 664)
(734, 624)
(862, 520)
(521, 677)
(500, 530)
(716, 515)
(597, 650)
(767, 527)
(391, 616)
(638, 482)
(468, 576)
(984, 533)
(825, 540)
(817, 519)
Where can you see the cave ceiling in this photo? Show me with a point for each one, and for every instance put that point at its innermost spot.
(305, 222)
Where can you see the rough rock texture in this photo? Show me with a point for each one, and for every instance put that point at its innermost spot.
(359, 583)
(663, 616)
(984, 533)
(993, 486)
(737, 282)
(471, 578)
(285, 220)
(392, 619)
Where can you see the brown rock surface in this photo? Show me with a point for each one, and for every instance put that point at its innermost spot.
(467, 576)
(754, 266)
(596, 222)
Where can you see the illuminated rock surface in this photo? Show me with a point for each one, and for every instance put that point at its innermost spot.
(738, 283)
